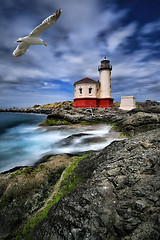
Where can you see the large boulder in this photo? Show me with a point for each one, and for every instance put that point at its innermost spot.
(139, 121)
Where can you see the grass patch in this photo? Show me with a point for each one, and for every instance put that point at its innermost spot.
(27, 171)
(68, 184)
(57, 105)
(116, 104)
(36, 106)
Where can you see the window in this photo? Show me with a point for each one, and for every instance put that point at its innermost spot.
(90, 90)
(80, 90)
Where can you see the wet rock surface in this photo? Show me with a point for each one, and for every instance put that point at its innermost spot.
(83, 139)
(75, 137)
(120, 199)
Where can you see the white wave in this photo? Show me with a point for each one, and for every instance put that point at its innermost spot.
(24, 145)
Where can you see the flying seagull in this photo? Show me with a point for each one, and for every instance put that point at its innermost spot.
(33, 37)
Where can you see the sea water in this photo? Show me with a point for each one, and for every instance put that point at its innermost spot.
(23, 141)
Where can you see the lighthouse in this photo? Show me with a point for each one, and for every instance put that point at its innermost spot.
(105, 69)
(91, 93)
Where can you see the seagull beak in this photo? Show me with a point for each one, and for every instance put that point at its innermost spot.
(19, 41)
(45, 44)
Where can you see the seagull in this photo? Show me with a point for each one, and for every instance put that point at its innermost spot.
(33, 37)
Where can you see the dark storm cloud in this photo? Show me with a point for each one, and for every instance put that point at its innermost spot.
(154, 89)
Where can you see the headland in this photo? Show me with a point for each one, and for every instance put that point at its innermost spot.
(109, 194)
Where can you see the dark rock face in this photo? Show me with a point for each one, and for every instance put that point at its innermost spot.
(139, 121)
(120, 200)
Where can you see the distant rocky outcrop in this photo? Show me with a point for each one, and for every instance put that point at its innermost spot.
(38, 109)
(148, 103)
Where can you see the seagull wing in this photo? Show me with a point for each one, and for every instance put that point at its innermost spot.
(45, 24)
(21, 49)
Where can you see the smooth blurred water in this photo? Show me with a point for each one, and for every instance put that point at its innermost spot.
(23, 142)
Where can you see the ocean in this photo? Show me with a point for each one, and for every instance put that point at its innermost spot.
(23, 142)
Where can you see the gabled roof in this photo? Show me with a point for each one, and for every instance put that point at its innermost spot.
(85, 80)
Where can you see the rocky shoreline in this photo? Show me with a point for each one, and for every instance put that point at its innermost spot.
(144, 118)
(28, 110)
(110, 194)
(130, 122)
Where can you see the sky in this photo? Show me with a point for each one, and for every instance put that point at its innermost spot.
(127, 32)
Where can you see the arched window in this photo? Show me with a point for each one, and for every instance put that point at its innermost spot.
(90, 90)
(80, 90)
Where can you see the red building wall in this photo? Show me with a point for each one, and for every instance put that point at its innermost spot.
(105, 102)
(92, 102)
(85, 102)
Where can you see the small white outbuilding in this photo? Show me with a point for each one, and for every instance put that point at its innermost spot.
(127, 103)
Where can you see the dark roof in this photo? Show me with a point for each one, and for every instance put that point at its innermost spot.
(85, 80)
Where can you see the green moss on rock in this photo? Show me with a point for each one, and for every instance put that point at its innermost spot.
(28, 171)
(68, 183)
(70, 180)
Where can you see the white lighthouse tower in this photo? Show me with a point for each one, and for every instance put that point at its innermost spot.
(105, 69)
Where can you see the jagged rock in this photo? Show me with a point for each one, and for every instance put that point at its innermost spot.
(137, 121)
(70, 140)
(120, 200)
